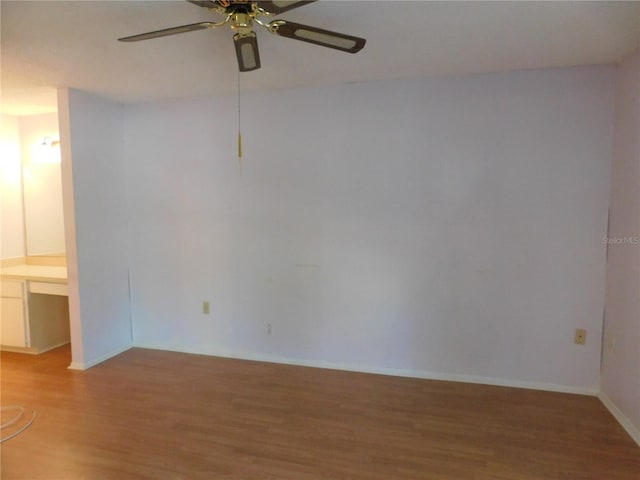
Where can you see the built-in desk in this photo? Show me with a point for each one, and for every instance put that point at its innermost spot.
(34, 308)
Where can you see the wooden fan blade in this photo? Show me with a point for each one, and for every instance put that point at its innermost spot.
(247, 51)
(279, 6)
(168, 31)
(204, 3)
(318, 36)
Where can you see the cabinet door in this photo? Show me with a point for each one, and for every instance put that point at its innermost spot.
(12, 333)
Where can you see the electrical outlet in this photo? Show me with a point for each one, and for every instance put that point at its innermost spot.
(581, 336)
(205, 308)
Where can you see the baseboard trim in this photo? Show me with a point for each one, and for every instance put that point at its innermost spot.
(423, 374)
(96, 361)
(622, 419)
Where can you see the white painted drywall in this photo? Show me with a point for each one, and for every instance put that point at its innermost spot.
(447, 226)
(91, 131)
(621, 347)
(12, 217)
(44, 219)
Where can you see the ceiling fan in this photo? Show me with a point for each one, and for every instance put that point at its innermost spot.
(242, 14)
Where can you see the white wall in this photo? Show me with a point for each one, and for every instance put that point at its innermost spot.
(93, 191)
(440, 227)
(11, 214)
(621, 352)
(42, 185)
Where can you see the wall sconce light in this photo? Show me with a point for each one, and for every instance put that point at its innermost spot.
(47, 142)
(46, 150)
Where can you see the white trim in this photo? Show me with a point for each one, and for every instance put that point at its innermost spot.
(424, 374)
(92, 363)
(620, 417)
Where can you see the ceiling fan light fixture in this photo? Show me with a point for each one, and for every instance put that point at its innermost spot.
(247, 51)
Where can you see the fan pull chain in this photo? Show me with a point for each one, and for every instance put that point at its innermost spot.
(239, 130)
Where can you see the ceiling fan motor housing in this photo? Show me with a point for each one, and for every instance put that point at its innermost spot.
(242, 22)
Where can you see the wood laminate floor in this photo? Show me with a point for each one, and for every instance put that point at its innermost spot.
(159, 415)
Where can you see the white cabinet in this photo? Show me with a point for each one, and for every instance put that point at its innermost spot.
(34, 316)
(13, 314)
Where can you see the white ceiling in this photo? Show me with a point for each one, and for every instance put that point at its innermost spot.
(50, 44)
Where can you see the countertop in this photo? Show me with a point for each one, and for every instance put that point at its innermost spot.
(36, 273)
